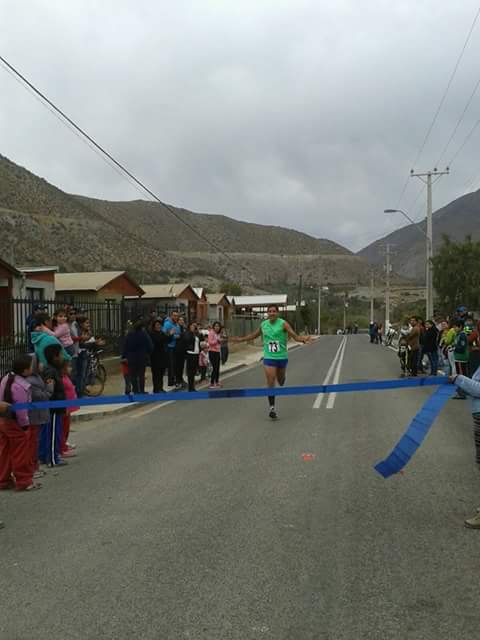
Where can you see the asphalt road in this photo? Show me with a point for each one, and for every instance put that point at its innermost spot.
(202, 520)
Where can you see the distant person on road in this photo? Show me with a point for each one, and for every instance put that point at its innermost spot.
(275, 332)
(372, 332)
(224, 351)
(180, 356)
(380, 334)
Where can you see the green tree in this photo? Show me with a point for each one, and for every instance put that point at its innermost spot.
(456, 276)
(231, 288)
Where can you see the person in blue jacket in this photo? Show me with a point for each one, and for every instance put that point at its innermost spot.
(42, 336)
(172, 328)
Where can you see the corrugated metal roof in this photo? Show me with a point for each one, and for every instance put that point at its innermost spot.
(88, 281)
(37, 269)
(165, 290)
(260, 301)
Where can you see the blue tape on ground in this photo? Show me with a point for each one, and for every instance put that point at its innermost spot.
(374, 385)
(413, 437)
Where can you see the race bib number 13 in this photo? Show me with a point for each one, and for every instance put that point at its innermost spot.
(273, 346)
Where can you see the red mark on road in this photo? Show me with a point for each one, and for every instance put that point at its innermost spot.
(308, 457)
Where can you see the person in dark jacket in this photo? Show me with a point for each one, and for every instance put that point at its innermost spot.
(51, 433)
(136, 351)
(159, 355)
(430, 345)
(191, 342)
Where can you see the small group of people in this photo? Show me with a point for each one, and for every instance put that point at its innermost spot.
(174, 348)
(375, 331)
(72, 329)
(54, 368)
(452, 345)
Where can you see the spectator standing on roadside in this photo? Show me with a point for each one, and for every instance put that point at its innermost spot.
(413, 340)
(136, 351)
(180, 356)
(172, 329)
(159, 355)
(380, 334)
(16, 468)
(51, 434)
(214, 344)
(192, 349)
(474, 350)
(430, 346)
(43, 336)
(460, 354)
(203, 360)
(62, 331)
(224, 350)
(38, 310)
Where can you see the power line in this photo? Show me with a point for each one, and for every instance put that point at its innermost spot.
(469, 102)
(467, 138)
(110, 157)
(442, 100)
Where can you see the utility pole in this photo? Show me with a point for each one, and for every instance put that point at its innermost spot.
(319, 321)
(299, 302)
(345, 305)
(388, 269)
(426, 178)
(372, 295)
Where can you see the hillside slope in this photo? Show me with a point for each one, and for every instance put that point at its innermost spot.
(457, 219)
(42, 224)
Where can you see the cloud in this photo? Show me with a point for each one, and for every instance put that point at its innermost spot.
(302, 114)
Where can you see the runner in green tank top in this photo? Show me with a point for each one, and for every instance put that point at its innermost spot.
(275, 333)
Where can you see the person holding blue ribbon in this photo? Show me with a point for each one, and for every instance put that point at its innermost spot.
(471, 388)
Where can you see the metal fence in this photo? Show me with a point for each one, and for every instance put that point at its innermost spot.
(109, 320)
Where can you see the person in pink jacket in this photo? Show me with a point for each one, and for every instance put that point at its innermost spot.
(214, 345)
(16, 468)
(61, 330)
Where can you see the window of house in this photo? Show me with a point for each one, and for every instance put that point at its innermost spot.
(33, 294)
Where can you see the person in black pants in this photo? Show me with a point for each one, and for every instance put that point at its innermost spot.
(136, 351)
(179, 356)
(214, 343)
(192, 350)
(159, 355)
(430, 346)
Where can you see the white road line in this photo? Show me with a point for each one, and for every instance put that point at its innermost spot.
(319, 399)
(332, 396)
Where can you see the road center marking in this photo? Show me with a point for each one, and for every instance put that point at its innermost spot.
(332, 396)
(319, 399)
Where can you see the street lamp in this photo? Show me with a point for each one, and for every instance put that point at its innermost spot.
(429, 255)
(320, 289)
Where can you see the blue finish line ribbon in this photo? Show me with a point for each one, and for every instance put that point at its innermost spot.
(398, 458)
(218, 394)
(415, 434)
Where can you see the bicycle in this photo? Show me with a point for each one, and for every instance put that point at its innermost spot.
(96, 375)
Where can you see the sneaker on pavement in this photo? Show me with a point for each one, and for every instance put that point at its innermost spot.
(272, 414)
(474, 522)
(68, 454)
(71, 446)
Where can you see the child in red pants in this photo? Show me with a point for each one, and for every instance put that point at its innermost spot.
(66, 450)
(16, 469)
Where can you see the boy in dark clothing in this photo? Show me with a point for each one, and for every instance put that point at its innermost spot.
(51, 435)
(460, 355)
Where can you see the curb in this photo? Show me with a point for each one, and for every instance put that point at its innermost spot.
(87, 417)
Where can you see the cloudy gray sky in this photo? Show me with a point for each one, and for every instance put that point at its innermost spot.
(302, 113)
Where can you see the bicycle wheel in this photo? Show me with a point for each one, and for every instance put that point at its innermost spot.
(97, 385)
(102, 373)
